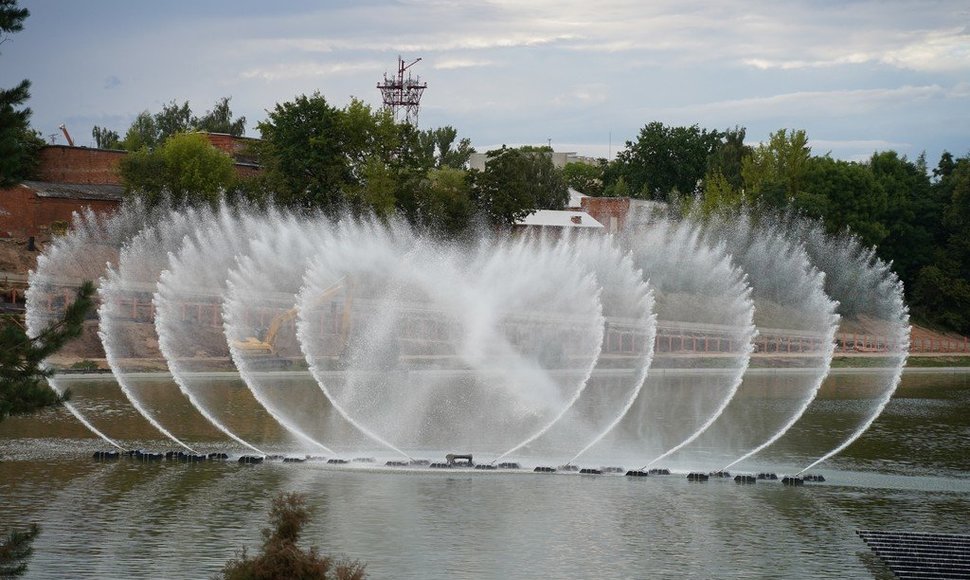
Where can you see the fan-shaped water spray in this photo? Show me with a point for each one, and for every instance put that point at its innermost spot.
(126, 315)
(81, 255)
(188, 304)
(870, 296)
(624, 349)
(791, 309)
(436, 345)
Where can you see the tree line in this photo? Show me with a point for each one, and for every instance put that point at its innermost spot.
(916, 217)
(315, 156)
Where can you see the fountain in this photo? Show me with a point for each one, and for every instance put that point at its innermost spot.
(374, 344)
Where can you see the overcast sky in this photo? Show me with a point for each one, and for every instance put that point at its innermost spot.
(857, 76)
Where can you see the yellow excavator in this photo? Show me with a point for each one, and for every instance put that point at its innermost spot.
(268, 345)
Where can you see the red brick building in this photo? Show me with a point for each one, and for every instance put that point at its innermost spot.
(72, 179)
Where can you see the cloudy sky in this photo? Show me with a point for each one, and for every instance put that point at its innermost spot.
(857, 76)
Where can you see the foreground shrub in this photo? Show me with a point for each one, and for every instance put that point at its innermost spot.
(280, 557)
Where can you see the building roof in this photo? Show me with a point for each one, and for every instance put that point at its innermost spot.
(103, 192)
(559, 219)
(575, 198)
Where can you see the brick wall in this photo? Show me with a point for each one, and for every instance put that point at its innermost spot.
(609, 211)
(62, 164)
(24, 214)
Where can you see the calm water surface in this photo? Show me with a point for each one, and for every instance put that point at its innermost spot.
(911, 471)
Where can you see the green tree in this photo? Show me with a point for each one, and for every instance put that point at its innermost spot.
(15, 550)
(515, 183)
(585, 178)
(105, 138)
(912, 217)
(665, 161)
(17, 155)
(774, 172)
(186, 168)
(845, 195)
(173, 119)
(441, 202)
(219, 120)
(23, 387)
(142, 134)
(281, 557)
(302, 153)
(317, 156)
(729, 157)
(440, 144)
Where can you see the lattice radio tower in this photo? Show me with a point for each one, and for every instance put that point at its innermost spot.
(403, 92)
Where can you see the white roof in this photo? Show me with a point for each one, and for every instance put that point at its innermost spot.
(559, 219)
(575, 198)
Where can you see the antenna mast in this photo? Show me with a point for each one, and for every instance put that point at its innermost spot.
(403, 93)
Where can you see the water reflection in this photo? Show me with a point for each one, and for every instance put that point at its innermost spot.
(124, 519)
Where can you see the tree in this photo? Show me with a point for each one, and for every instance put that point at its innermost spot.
(440, 202)
(16, 154)
(774, 171)
(142, 134)
(439, 144)
(317, 156)
(16, 550)
(729, 157)
(912, 216)
(585, 178)
(517, 182)
(281, 557)
(186, 168)
(845, 195)
(302, 152)
(219, 120)
(665, 161)
(105, 138)
(150, 131)
(23, 387)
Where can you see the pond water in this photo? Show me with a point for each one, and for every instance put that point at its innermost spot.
(910, 471)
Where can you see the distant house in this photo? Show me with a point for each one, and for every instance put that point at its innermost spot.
(556, 221)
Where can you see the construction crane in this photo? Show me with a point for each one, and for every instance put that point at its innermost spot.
(63, 128)
(268, 345)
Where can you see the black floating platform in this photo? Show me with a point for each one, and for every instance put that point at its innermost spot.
(315, 458)
(697, 476)
(768, 476)
(719, 474)
(419, 463)
(107, 455)
(139, 455)
(218, 456)
(364, 460)
(814, 478)
(251, 459)
(792, 480)
(440, 465)
(396, 463)
(486, 467)
(337, 461)
(509, 465)
(591, 471)
(659, 471)
(745, 479)
(544, 469)
(637, 473)
(912, 555)
(612, 469)
(568, 467)
(275, 457)
(294, 460)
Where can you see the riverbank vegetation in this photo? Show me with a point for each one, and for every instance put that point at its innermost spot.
(281, 557)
